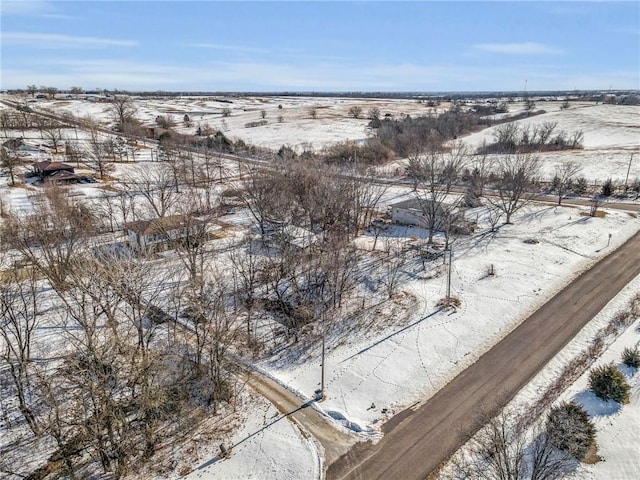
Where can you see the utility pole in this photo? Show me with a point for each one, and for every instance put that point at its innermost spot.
(628, 170)
(320, 395)
(449, 273)
(324, 330)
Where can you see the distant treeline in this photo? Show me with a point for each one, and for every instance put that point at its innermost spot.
(443, 96)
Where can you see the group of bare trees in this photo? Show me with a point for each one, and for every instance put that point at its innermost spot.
(507, 183)
(310, 195)
(125, 373)
(296, 207)
(506, 449)
(143, 346)
(512, 137)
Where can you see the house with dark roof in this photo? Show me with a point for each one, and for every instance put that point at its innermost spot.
(55, 172)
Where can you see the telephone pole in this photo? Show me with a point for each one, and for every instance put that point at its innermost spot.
(322, 395)
(449, 273)
(626, 180)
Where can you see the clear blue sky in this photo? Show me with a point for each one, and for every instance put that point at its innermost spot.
(320, 46)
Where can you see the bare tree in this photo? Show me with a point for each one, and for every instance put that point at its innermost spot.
(156, 186)
(545, 132)
(166, 121)
(53, 134)
(564, 178)
(367, 198)
(51, 92)
(339, 263)
(501, 451)
(55, 422)
(193, 227)
(215, 332)
(355, 111)
(97, 154)
(494, 214)
(506, 136)
(123, 111)
(8, 162)
(433, 172)
(373, 113)
(516, 174)
(18, 320)
(261, 196)
(392, 264)
(247, 266)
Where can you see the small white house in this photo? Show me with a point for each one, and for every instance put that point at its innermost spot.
(415, 212)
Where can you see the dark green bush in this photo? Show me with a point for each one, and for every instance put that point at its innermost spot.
(631, 357)
(608, 383)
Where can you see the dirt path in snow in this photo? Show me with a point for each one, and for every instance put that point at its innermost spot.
(334, 442)
(417, 441)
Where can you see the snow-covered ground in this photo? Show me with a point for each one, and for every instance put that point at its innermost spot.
(618, 427)
(611, 134)
(371, 376)
(266, 446)
(289, 119)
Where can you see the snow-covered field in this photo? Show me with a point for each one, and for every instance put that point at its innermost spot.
(266, 446)
(611, 134)
(372, 375)
(404, 365)
(289, 119)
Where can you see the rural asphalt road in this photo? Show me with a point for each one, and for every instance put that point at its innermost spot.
(416, 442)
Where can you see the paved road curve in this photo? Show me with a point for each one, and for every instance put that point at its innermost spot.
(415, 442)
(334, 442)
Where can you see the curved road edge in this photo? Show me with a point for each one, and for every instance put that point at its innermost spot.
(416, 442)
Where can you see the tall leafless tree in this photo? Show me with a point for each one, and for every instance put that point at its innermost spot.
(433, 172)
(247, 266)
(123, 111)
(516, 174)
(18, 320)
(97, 154)
(564, 177)
(156, 186)
(9, 161)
